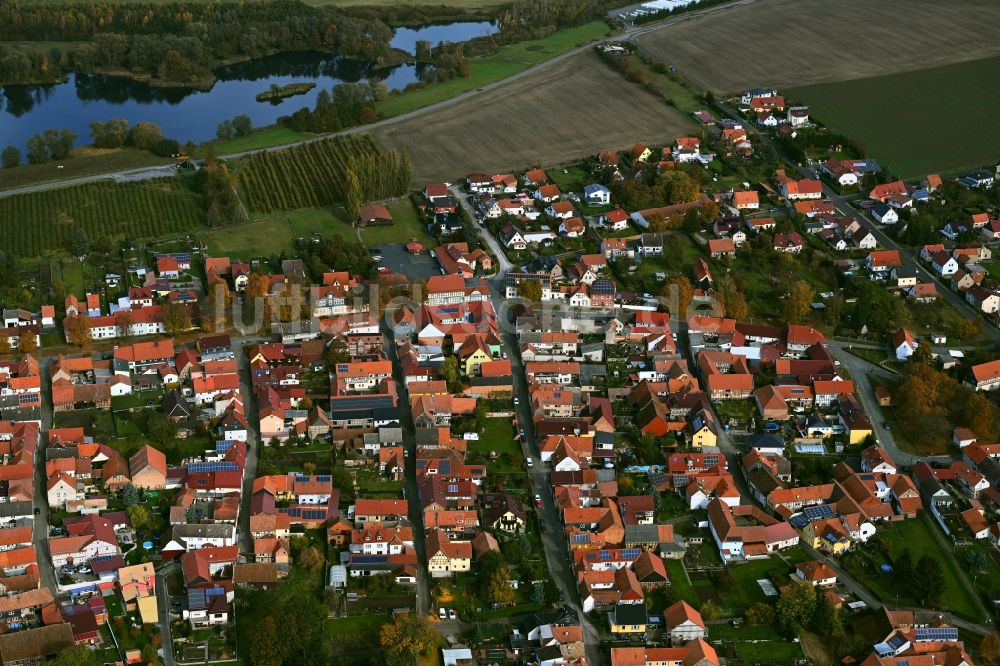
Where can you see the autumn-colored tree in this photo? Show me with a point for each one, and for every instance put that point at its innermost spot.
(408, 637)
(981, 416)
(498, 589)
(123, 322)
(4, 345)
(760, 613)
(678, 293)
(732, 300)
(28, 343)
(798, 302)
(266, 645)
(989, 648)
(311, 559)
(138, 516)
(530, 290)
(77, 330)
(176, 317)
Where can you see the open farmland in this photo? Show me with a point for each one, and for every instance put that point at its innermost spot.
(800, 42)
(964, 94)
(566, 111)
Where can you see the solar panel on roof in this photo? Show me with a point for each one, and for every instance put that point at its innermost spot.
(323, 478)
(818, 512)
(630, 553)
(937, 634)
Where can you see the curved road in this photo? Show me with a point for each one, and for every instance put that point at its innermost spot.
(145, 173)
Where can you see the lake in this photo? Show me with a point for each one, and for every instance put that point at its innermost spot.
(186, 114)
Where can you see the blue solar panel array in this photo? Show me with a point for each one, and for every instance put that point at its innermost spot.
(216, 466)
(936, 633)
(818, 512)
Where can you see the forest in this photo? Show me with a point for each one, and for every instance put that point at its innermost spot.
(175, 41)
(181, 42)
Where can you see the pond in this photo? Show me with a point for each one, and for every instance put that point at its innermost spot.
(186, 114)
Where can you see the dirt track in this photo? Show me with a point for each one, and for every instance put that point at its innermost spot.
(565, 112)
(797, 42)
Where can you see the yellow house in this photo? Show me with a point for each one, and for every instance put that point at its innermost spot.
(826, 535)
(703, 430)
(474, 361)
(628, 618)
(445, 557)
(473, 353)
(138, 586)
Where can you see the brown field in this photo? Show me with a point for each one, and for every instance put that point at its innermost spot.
(562, 113)
(800, 42)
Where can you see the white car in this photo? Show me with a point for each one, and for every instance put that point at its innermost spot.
(452, 615)
(443, 613)
(517, 401)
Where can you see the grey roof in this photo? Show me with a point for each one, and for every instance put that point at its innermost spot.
(15, 509)
(631, 614)
(204, 531)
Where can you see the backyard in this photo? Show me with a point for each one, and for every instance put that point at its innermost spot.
(500, 438)
(406, 224)
(914, 535)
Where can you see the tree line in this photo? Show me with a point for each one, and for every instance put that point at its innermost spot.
(177, 41)
(115, 134)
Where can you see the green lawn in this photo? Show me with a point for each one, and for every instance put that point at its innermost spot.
(359, 624)
(266, 138)
(508, 61)
(680, 588)
(500, 437)
(884, 113)
(915, 535)
(406, 224)
(275, 234)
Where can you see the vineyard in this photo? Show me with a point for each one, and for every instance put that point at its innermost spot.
(322, 173)
(41, 223)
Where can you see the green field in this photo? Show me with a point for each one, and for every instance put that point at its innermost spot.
(274, 234)
(508, 61)
(42, 223)
(266, 138)
(915, 123)
(406, 224)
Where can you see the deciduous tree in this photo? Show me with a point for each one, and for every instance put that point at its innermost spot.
(530, 290)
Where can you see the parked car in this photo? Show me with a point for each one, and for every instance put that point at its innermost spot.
(538, 501)
(443, 613)
(530, 462)
(452, 615)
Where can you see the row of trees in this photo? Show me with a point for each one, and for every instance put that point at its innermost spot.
(345, 105)
(56, 144)
(116, 133)
(240, 125)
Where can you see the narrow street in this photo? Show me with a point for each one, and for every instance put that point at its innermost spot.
(554, 543)
(163, 608)
(245, 539)
(40, 500)
(410, 473)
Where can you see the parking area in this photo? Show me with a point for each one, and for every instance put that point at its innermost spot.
(398, 260)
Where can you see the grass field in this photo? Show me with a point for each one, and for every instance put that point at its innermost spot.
(808, 43)
(964, 95)
(508, 61)
(550, 117)
(406, 224)
(85, 162)
(274, 234)
(266, 138)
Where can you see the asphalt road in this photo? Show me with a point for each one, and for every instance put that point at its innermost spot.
(410, 473)
(245, 539)
(163, 608)
(40, 500)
